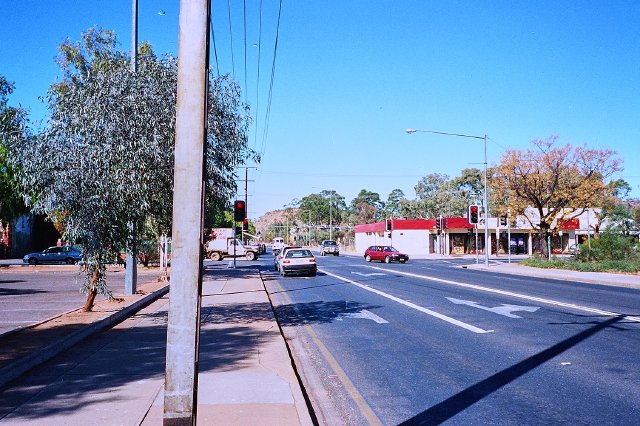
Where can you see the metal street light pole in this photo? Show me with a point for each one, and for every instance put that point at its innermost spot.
(486, 202)
(131, 274)
(331, 216)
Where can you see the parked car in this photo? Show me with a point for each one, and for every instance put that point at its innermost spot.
(385, 254)
(574, 249)
(329, 247)
(279, 255)
(297, 261)
(62, 254)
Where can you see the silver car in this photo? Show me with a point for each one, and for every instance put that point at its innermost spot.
(329, 247)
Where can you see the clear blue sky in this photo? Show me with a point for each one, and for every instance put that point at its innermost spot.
(351, 76)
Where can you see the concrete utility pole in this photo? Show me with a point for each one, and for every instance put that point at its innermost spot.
(181, 379)
(131, 273)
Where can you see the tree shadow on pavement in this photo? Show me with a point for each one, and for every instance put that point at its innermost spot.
(459, 402)
(318, 312)
(109, 368)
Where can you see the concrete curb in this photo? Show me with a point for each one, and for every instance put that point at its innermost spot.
(15, 369)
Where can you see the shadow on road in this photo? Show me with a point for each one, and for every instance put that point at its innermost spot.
(457, 403)
(297, 314)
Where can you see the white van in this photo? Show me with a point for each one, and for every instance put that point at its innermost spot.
(277, 245)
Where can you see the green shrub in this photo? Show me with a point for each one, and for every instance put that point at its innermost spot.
(609, 246)
(624, 266)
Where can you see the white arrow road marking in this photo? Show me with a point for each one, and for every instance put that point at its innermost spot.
(373, 274)
(364, 314)
(519, 295)
(504, 309)
(412, 305)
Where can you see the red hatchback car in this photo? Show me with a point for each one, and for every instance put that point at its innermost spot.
(385, 254)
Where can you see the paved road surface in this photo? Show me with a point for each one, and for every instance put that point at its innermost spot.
(431, 342)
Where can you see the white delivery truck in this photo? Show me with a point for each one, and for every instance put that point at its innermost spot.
(223, 244)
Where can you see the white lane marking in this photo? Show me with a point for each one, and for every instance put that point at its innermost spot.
(413, 305)
(517, 295)
(365, 314)
(373, 274)
(504, 309)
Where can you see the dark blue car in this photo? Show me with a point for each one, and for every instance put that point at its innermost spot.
(63, 254)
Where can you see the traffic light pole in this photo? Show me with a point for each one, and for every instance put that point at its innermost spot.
(475, 225)
(509, 232)
(486, 209)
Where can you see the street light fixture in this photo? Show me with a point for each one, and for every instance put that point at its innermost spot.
(486, 204)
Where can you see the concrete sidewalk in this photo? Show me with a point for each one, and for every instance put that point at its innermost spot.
(117, 376)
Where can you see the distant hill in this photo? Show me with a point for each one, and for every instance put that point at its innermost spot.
(276, 216)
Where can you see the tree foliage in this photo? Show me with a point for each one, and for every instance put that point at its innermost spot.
(437, 194)
(321, 208)
(392, 206)
(558, 182)
(13, 128)
(367, 207)
(109, 147)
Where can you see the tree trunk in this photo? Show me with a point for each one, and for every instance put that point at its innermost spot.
(544, 248)
(91, 296)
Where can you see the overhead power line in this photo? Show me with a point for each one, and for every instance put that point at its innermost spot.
(233, 66)
(273, 69)
(255, 139)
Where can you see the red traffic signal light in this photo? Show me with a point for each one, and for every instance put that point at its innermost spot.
(473, 213)
(239, 211)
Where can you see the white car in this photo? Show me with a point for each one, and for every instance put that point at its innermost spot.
(297, 261)
(278, 256)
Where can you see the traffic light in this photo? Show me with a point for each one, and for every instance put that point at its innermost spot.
(245, 224)
(503, 221)
(388, 225)
(239, 211)
(473, 213)
(438, 223)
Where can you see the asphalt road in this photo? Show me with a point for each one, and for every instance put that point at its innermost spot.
(32, 294)
(430, 342)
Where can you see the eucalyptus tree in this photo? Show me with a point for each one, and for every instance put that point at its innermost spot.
(13, 126)
(431, 198)
(311, 208)
(105, 159)
(392, 206)
(323, 207)
(613, 207)
(367, 207)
